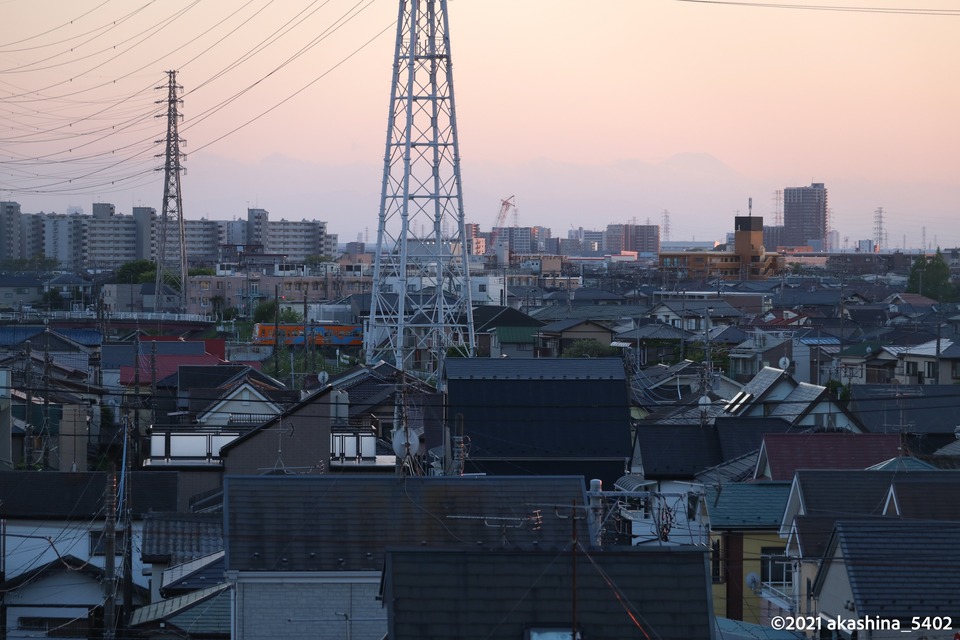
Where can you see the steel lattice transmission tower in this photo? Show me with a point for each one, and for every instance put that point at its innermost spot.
(420, 304)
(171, 260)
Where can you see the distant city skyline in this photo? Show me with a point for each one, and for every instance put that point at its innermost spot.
(588, 117)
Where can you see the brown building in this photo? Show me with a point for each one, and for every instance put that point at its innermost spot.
(749, 260)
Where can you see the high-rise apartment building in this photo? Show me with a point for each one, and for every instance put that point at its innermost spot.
(805, 220)
(9, 231)
(642, 238)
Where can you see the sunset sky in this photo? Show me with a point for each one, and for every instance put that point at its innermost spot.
(588, 113)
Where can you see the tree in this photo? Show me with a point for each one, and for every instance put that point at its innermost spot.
(589, 349)
(930, 277)
(136, 272)
(266, 312)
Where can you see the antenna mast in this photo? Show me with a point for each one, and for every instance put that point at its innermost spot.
(420, 305)
(172, 261)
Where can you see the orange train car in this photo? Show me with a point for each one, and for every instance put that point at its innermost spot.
(321, 335)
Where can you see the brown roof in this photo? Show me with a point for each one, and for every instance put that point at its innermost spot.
(787, 452)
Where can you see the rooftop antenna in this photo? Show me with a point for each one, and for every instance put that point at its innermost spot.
(750, 207)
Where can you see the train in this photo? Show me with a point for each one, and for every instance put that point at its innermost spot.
(320, 335)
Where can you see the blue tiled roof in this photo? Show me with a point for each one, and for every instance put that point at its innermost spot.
(755, 505)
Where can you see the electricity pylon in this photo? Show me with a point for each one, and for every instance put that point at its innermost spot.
(421, 305)
(171, 261)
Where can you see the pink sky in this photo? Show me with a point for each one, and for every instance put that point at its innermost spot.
(589, 114)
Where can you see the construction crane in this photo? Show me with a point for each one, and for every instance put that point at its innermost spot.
(505, 206)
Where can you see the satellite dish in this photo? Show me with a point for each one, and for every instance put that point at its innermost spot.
(784, 362)
(323, 377)
(405, 441)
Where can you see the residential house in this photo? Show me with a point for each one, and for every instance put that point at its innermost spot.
(924, 414)
(507, 594)
(818, 498)
(542, 416)
(658, 458)
(54, 523)
(900, 575)
(745, 550)
(554, 338)
(782, 454)
(305, 555)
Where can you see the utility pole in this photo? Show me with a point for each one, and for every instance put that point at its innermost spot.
(109, 560)
(276, 331)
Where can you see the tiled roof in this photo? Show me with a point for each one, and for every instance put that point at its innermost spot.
(799, 400)
(175, 538)
(811, 535)
(739, 469)
(198, 614)
(345, 522)
(631, 592)
(785, 453)
(843, 493)
(739, 436)
(927, 496)
(677, 451)
(535, 369)
(915, 408)
(80, 496)
(197, 574)
(900, 568)
(517, 335)
(753, 505)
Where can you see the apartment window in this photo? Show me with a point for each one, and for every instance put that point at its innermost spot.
(204, 285)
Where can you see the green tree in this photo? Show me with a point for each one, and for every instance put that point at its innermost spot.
(589, 349)
(136, 272)
(267, 311)
(201, 271)
(53, 300)
(930, 277)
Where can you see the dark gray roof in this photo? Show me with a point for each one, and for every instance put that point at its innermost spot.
(677, 452)
(915, 408)
(754, 505)
(79, 496)
(345, 522)
(560, 326)
(631, 592)
(798, 402)
(115, 355)
(739, 436)
(843, 493)
(928, 496)
(535, 369)
(899, 568)
(175, 538)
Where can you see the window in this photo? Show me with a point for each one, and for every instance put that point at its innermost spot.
(775, 567)
(911, 368)
(930, 368)
(55, 627)
(716, 562)
(483, 288)
(96, 542)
